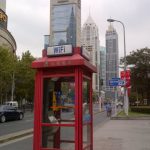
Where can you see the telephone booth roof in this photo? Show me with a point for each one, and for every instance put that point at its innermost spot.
(63, 61)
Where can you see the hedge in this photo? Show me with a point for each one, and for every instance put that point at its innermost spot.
(141, 109)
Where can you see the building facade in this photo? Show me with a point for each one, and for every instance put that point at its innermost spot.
(6, 38)
(65, 22)
(103, 67)
(90, 40)
(3, 5)
(112, 57)
(46, 41)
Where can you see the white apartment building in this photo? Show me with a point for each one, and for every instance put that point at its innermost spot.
(90, 40)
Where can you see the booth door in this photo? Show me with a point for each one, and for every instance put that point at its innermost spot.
(58, 121)
(87, 114)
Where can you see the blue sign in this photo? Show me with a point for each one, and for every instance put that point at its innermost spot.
(113, 82)
(116, 78)
(116, 82)
(121, 83)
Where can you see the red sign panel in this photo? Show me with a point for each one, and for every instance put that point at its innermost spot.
(125, 75)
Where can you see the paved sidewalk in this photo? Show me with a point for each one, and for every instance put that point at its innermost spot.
(123, 135)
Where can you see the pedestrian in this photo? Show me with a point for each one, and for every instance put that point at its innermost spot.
(108, 109)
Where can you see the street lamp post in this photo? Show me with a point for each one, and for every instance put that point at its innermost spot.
(126, 103)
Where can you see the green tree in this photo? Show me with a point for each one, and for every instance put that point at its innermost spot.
(7, 67)
(24, 78)
(140, 74)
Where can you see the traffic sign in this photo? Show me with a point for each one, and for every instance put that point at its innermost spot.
(125, 74)
(121, 82)
(113, 82)
(117, 82)
(116, 78)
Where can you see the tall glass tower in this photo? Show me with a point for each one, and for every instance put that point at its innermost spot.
(65, 22)
(3, 5)
(112, 58)
(103, 66)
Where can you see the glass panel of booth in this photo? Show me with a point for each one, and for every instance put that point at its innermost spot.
(64, 140)
(58, 112)
(86, 112)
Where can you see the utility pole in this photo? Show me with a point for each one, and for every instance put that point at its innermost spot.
(13, 86)
(126, 100)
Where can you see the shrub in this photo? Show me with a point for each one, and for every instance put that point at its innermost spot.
(141, 109)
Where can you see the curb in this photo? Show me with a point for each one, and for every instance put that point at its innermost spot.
(13, 136)
(98, 112)
(130, 118)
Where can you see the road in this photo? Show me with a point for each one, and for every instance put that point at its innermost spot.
(21, 144)
(25, 143)
(15, 126)
(27, 122)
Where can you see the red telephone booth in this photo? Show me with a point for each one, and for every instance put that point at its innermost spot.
(63, 117)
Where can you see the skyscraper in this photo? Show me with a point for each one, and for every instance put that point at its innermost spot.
(3, 5)
(103, 67)
(65, 22)
(112, 55)
(90, 40)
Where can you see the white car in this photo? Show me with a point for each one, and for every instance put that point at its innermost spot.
(12, 103)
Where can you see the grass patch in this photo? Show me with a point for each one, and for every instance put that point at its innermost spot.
(132, 114)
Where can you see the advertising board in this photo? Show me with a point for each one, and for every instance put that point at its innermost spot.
(3, 19)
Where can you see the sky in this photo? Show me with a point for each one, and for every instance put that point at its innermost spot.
(28, 21)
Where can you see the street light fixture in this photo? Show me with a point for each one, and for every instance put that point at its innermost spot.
(125, 66)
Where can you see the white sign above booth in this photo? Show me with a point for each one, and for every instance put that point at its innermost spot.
(59, 50)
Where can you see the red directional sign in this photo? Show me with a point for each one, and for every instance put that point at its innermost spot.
(125, 75)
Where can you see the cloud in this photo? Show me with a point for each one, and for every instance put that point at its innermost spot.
(134, 14)
(29, 21)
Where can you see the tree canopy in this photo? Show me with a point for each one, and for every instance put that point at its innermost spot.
(7, 67)
(140, 73)
(23, 76)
